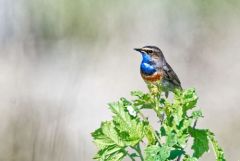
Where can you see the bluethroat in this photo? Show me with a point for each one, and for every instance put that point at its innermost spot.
(156, 71)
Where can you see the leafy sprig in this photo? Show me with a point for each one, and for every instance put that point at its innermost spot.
(125, 135)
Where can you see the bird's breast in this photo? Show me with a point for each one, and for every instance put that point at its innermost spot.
(153, 77)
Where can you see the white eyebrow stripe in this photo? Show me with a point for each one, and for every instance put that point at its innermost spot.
(147, 49)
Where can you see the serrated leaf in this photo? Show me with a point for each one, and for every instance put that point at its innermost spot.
(189, 99)
(110, 153)
(118, 156)
(149, 132)
(107, 136)
(129, 128)
(200, 141)
(157, 153)
(110, 144)
(217, 149)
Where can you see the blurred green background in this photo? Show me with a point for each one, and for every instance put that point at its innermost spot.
(62, 61)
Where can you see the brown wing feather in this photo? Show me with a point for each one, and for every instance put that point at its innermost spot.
(171, 76)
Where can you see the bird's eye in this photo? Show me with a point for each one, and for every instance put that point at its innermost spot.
(150, 51)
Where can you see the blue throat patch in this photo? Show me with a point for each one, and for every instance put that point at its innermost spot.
(147, 66)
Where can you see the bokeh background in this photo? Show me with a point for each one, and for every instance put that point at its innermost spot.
(62, 61)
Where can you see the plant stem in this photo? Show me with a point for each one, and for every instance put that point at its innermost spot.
(138, 150)
(132, 158)
(179, 158)
(195, 124)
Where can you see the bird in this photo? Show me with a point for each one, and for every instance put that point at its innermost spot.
(155, 70)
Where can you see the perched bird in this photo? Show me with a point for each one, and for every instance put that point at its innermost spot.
(155, 69)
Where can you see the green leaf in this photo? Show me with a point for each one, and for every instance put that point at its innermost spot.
(157, 153)
(175, 153)
(149, 132)
(197, 114)
(171, 139)
(144, 100)
(110, 144)
(163, 131)
(200, 141)
(129, 128)
(187, 99)
(112, 153)
(139, 94)
(217, 149)
(107, 135)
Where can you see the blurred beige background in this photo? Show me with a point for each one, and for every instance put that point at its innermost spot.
(62, 61)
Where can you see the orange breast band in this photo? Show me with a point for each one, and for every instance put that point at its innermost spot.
(152, 78)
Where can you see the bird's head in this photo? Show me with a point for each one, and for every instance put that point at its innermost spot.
(150, 53)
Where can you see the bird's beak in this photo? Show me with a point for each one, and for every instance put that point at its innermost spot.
(138, 49)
